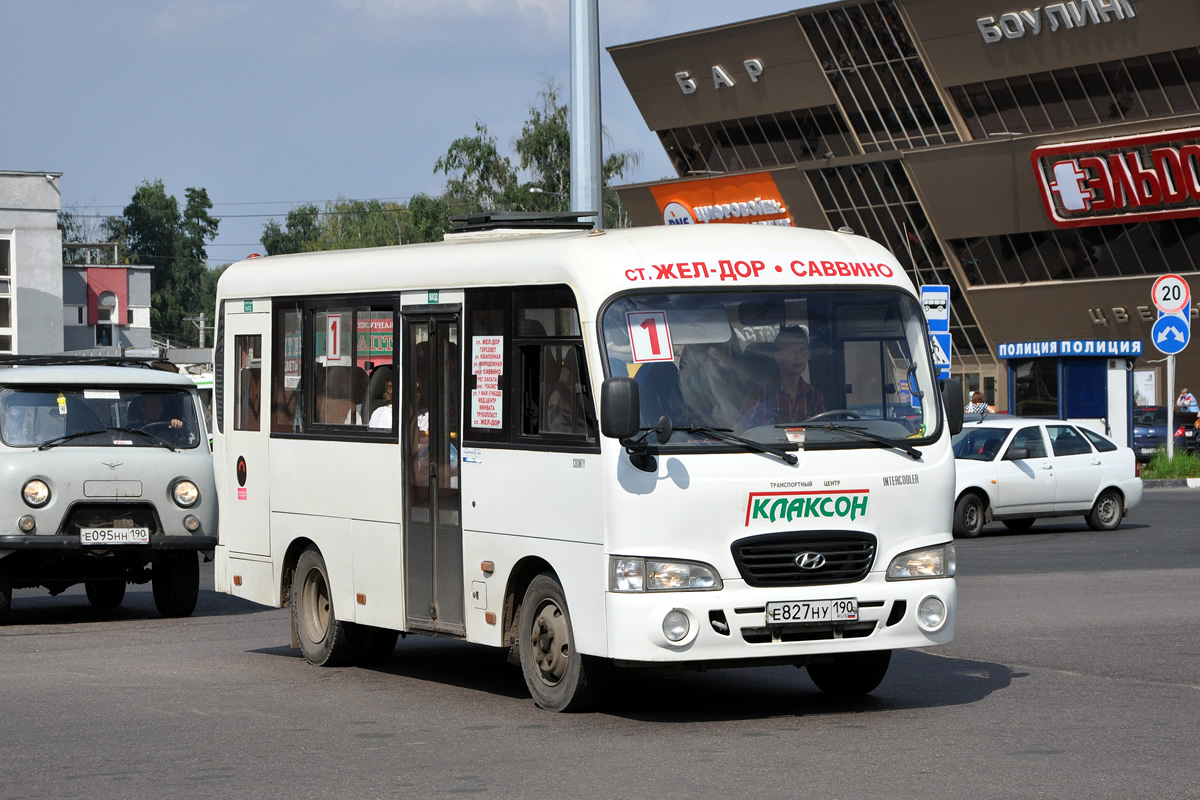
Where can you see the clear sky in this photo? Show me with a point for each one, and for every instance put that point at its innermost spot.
(272, 103)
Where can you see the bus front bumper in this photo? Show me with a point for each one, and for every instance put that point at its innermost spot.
(730, 624)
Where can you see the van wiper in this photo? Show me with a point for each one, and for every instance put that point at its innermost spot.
(59, 440)
(724, 435)
(860, 433)
(158, 440)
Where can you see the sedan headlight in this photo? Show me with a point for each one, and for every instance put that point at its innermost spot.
(36, 493)
(185, 494)
(929, 562)
(650, 575)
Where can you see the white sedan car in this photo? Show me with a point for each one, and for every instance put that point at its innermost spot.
(1016, 470)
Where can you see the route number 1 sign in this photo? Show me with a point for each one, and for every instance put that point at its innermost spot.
(650, 336)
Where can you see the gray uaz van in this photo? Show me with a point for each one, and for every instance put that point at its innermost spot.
(106, 479)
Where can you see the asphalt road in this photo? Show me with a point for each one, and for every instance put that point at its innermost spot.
(1075, 674)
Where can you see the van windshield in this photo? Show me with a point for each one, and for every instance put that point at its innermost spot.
(818, 367)
(101, 416)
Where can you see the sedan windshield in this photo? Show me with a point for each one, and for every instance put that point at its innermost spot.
(830, 368)
(98, 417)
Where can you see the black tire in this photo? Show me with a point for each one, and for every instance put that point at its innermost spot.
(175, 579)
(558, 676)
(105, 594)
(968, 516)
(1107, 511)
(324, 640)
(376, 645)
(5, 595)
(1022, 524)
(851, 674)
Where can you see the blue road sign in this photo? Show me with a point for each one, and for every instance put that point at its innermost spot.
(935, 300)
(939, 342)
(1171, 333)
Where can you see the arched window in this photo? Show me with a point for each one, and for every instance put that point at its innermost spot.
(106, 317)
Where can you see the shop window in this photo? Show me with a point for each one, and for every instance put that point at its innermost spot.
(1035, 387)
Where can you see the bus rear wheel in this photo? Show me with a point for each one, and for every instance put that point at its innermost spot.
(324, 640)
(851, 674)
(105, 594)
(175, 580)
(559, 677)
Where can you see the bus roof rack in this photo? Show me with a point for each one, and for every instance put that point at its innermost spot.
(65, 359)
(528, 220)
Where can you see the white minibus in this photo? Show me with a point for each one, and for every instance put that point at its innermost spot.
(689, 447)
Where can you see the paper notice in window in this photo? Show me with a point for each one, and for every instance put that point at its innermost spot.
(487, 408)
(487, 365)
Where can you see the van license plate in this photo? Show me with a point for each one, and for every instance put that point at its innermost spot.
(845, 610)
(114, 536)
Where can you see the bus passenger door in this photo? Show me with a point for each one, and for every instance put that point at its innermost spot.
(431, 411)
(245, 504)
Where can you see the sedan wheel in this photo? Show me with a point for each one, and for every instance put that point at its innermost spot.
(968, 516)
(1107, 512)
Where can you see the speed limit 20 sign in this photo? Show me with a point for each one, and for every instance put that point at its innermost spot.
(1171, 294)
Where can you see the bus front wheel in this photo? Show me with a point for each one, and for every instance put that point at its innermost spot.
(324, 640)
(559, 677)
(851, 674)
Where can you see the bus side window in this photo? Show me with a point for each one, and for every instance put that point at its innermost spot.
(247, 382)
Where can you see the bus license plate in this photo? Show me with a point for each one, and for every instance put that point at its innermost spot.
(114, 536)
(791, 613)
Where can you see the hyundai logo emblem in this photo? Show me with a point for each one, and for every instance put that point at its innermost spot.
(810, 561)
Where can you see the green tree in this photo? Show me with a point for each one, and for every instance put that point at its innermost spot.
(479, 178)
(152, 231)
(301, 228)
(428, 219)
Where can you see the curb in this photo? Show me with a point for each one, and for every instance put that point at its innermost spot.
(1172, 483)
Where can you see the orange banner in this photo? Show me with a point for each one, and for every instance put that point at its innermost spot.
(752, 198)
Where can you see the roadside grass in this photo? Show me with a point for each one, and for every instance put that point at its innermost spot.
(1185, 465)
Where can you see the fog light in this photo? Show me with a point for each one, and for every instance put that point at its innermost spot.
(191, 523)
(675, 625)
(26, 524)
(931, 614)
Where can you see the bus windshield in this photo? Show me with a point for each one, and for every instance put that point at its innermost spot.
(826, 367)
(100, 416)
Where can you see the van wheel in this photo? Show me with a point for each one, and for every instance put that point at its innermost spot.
(105, 594)
(324, 640)
(175, 579)
(5, 595)
(558, 676)
(1107, 512)
(968, 516)
(851, 674)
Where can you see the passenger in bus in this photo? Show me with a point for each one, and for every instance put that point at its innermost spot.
(786, 397)
(381, 417)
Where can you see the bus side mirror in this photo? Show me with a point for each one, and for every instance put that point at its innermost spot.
(619, 414)
(952, 399)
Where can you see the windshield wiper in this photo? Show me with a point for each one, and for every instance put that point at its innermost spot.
(724, 435)
(859, 432)
(158, 440)
(59, 440)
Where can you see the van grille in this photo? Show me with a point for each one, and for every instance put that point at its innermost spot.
(110, 515)
(771, 559)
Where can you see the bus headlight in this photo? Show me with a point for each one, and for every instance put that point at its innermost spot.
(651, 575)
(36, 493)
(185, 494)
(929, 562)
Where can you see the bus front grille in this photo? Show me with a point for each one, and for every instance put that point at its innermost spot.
(808, 558)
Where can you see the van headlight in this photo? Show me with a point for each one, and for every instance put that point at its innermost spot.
(626, 574)
(928, 562)
(36, 493)
(185, 494)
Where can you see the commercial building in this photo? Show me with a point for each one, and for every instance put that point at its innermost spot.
(1043, 161)
(47, 306)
